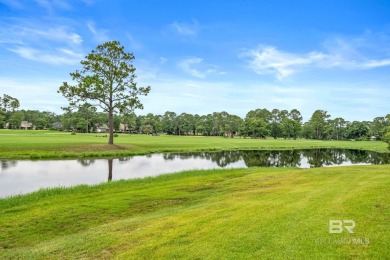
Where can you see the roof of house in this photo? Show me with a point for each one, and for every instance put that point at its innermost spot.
(26, 124)
(103, 127)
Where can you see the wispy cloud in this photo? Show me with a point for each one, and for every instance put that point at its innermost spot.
(163, 60)
(56, 56)
(99, 35)
(195, 67)
(185, 29)
(134, 44)
(269, 60)
(50, 5)
(338, 53)
(54, 44)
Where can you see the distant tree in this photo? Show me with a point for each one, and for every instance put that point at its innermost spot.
(2, 119)
(147, 129)
(275, 124)
(167, 122)
(257, 123)
(357, 130)
(378, 126)
(386, 137)
(87, 112)
(152, 120)
(296, 127)
(204, 125)
(41, 123)
(8, 106)
(233, 125)
(80, 124)
(131, 121)
(255, 128)
(9, 103)
(107, 77)
(291, 123)
(16, 119)
(318, 122)
(339, 125)
(307, 131)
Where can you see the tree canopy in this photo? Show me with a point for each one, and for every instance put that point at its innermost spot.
(106, 80)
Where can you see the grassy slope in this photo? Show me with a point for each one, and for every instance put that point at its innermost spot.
(249, 213)
(45, 144)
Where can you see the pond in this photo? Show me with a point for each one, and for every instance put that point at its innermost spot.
(20, 177)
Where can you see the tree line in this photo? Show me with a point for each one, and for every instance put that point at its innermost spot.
(258, 123)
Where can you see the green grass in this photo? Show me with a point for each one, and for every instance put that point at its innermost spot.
(18, 144)
(254, 213)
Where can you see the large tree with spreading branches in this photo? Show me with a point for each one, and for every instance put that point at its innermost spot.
(106, 80)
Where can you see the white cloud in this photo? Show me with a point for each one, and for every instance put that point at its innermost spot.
(55, 57)
(22, 33)
(55, 44)
(269, 60)
(195, 68)
(37, 93)
(339, 53)
(377, 63)
(99, 35)
(185, 29)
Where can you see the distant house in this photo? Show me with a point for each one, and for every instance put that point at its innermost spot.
(57, 126)
(25, 125)
(373, 138)
(123, 128)
(102, 129)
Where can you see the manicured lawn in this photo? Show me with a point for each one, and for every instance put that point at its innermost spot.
(49, 144)
(256, 213)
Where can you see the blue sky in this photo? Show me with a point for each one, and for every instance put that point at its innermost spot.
(208, 56)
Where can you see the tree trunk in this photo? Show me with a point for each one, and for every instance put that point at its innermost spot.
(111, 125)
(109, 169)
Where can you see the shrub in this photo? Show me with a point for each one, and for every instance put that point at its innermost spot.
(116, 135)
(386, 138)
(73, 133)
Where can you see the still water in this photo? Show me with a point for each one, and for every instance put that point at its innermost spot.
(20, 177)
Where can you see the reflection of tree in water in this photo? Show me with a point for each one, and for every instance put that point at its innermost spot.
(86, 162)
(319, 157)
(7, 164)
(290, 158)
(110, 169)
(285, 158)
(222, 159)
(359, 156)
(124, 159)
(379, 158)
(225, 158)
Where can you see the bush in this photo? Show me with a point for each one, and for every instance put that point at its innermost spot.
(386, 139)
(116, 135)
(73, 133)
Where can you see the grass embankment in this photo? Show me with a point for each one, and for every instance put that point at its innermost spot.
(15, 144)
(252, 213)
